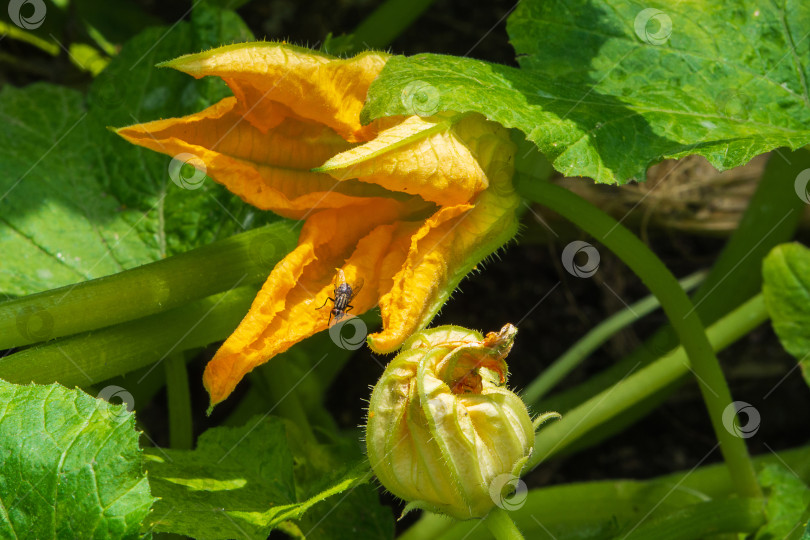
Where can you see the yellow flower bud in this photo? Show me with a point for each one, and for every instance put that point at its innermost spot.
(442, 427)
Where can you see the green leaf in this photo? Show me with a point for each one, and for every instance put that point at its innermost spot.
(788, 505)
(76, 201)
(116, 21)
(604, 95)
(246, 481)
(786, 288)
(70, 466)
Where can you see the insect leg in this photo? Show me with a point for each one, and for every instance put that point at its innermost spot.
(325, 301)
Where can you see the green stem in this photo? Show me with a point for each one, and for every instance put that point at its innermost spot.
(634, 388)
(242, 259)
(702, 520)
(772, 216)
(592, 506)
(770, 219)
(594, 339)
(97, 356)
(178, 396)
(676, 305)
(280, 393)
(501, 525)
(430, 525)
(388, 21)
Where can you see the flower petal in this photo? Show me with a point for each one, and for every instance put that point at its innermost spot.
(270, 170)
(311, 85)
(286, 309)
(436, 158)
(441, 254)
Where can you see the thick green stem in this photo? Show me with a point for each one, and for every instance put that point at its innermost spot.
(634, 388)
(430, 525)
(178, 396)
(592, 506)
(770, 219)
(594, 339)
(97, 356)
(676, 304)
(282, 396)
(388, 21)
(703, 519)
(772, 216)
(242, 259)
(501, 525)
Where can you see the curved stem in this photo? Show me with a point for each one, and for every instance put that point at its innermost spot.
(178, 396)
(636, 387)
(594, 339)
(501, 525)
(679, 309)
(770, 219)
(702, 520)
(243, 259)
(280, 391)
(608, 504)
(387, 22)
(97, 356)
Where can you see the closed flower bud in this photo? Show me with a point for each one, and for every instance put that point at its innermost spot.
(442, 427)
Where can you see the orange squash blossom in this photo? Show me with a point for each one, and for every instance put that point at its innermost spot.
(408, 204)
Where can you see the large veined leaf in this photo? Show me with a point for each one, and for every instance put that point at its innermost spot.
(786, 274)
(607, 88)
(244, 482)
(788, 505)
(76, 202)
(70, 466)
